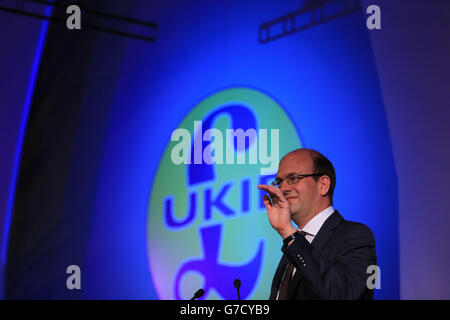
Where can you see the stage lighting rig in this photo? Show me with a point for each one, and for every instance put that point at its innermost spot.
(313, 13)
(92, 19)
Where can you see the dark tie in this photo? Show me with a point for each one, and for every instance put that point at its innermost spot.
(284, 286)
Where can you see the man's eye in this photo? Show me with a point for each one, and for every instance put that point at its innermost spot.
(293, 179)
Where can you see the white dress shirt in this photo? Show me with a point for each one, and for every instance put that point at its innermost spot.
(313, 226)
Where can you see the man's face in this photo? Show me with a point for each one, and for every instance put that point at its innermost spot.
(302, 195)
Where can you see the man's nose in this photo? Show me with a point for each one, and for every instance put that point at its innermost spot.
(285, 188)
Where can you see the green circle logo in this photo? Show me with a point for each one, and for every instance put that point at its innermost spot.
(207, 225)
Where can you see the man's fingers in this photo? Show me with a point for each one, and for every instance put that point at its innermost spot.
(273, 191)
(267, 202)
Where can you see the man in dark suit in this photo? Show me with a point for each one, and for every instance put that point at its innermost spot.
(326, 257)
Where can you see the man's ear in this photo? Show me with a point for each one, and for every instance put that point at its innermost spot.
(324, 185)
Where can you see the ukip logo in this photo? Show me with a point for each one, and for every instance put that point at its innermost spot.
(206, 223)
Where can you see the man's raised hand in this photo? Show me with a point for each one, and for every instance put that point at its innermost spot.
(278, 213)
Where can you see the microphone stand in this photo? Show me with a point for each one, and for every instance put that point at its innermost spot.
(237, 285)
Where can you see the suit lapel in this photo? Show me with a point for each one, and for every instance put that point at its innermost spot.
(318, 242)
(326, 230)
(278, 277)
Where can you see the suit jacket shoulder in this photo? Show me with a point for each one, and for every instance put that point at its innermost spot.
(351, 235)
(334, 265)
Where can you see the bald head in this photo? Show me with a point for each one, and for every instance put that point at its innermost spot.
(311, 161)
(299, 155)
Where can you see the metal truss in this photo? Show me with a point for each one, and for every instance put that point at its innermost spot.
(313, 13)
(35, 8)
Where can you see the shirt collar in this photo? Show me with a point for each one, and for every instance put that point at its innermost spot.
(313, 226)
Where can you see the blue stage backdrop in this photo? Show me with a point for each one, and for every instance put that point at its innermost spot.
(319, 87)
(157, 230)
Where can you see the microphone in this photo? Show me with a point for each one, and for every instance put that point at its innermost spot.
(237, 285)
(198, 294)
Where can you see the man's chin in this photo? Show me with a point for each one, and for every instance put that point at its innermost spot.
(293, 209)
